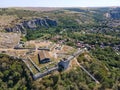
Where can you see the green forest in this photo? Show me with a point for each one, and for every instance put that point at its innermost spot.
(13, 74)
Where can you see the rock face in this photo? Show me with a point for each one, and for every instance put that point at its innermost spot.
(115, 13)
(32, 24)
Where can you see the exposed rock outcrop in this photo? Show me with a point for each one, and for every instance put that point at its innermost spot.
(32, 24)
(114, 13)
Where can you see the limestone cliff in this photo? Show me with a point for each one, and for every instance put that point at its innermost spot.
(32, 24)
(115, 13)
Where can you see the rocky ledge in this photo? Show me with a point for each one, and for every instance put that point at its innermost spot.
(114, 13)
(32, 24)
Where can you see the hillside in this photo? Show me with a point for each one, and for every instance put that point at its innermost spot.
(38, 8)
(13, 74)
(95, 29)
(91, 20)
(108, 76)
